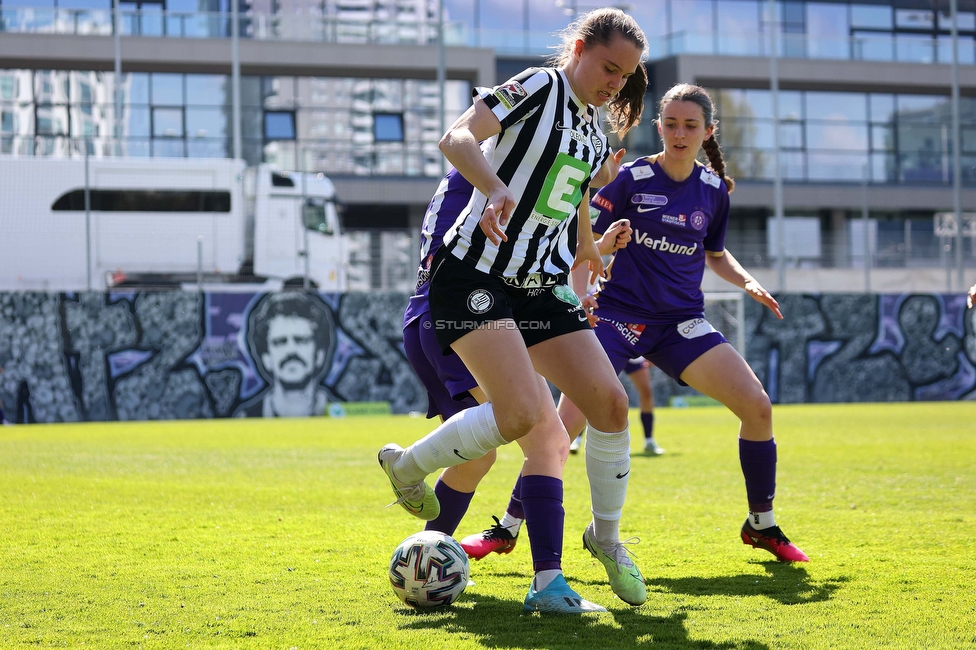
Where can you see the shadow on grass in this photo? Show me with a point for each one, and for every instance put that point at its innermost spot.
(497, 623)
(787, 583)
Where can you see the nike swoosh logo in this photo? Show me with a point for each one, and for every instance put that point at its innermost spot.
(458, 454)
(624, 474)
(641, 208)
(561, 127)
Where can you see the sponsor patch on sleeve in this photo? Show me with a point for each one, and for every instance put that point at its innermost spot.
(603, 202)
(511, 94)
(644, 171)
(710, 178)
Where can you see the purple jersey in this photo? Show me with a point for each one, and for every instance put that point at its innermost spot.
(657, 277)
(452, 196)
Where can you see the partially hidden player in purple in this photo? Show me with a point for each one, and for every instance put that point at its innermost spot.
(499, 296)
(653, 306)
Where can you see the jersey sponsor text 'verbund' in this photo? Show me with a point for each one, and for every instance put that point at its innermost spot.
(549, 148)
(662, 244)
(658, 276)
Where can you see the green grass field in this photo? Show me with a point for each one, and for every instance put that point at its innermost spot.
(273, 534)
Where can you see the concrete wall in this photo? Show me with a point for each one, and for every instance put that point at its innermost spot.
(174, 355)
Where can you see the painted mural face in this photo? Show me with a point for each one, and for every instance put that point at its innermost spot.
(292, 356)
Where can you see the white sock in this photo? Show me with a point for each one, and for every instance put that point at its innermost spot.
(760, 520)
(513, 524)
(467, 435)
(543, 578)
(608, 469)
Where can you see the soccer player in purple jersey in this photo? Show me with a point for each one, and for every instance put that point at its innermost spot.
(653, 305)
(499, 295)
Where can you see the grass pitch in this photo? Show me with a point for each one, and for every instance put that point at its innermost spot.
(273, 534)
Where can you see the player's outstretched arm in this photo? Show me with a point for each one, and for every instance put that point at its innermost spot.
(728, 268)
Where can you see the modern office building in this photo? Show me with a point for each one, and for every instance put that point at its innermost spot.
(866, 131)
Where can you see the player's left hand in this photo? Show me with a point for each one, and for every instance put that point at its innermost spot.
(763, 297)
(608, 172)
(590, 306)
(617, 236)
(589, 253)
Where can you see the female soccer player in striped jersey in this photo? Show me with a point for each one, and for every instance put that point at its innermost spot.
(653, 305)
(499, 296)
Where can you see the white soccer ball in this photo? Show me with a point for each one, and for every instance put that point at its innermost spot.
(429, 569)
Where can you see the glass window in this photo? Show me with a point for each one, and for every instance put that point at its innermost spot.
(837, 137)
(965, 20)
(52, 120)
(51, 86)
(135, 122)
(915, 18)
(388, 127)
(967, 52)
(85, 4)
(206, 122)
(876, 16)
(917, 48)
(315, 214)
(207, 148)
(827, 30)
(16, 120)
(739, 27)
(167, 122)
(841, 107)
(168, 148)
(652, 17)
(791, 136)
(548, 17)
(692, 16)
(460, 11)
(790, 105)
(135, 88)
(167, 89)
(278, 92)
(835, 167)
(919, 107)
(208, 90)
(279, 125)
(882, 107)
(882, 138)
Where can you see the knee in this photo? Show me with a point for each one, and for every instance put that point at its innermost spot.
(760, 409)
(517, 420)
(618, 407)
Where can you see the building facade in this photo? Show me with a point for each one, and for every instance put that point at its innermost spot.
(349, 88)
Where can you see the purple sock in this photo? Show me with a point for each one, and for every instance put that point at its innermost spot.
(647, 419)
(515, 503)
(453, 506)
(542, 500)
(758, 460)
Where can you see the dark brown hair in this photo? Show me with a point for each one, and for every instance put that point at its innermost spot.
(599, 27)
(700, 96)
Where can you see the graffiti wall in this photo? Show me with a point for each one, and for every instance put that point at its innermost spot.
(173, 355)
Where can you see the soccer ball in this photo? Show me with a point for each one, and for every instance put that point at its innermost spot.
(429, 569)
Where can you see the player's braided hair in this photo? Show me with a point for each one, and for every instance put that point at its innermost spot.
(598, 27)
(700, 96)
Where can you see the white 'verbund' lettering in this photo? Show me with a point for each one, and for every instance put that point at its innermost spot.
(663, 244)
(562, 187)
(692, 329)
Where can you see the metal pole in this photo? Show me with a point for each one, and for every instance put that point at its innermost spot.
(301, 167)
(117, 29)
(867, 228)
(88, 246)
(235, 76)
(777, 175)
(200, 263)
(956, 146)
(441, 76)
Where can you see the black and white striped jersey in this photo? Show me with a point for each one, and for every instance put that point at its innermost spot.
(549, 149)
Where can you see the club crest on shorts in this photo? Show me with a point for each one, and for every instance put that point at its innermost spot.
(567, 295)
(480, 301)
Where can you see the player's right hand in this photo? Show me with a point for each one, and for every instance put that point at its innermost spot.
(497, 212)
